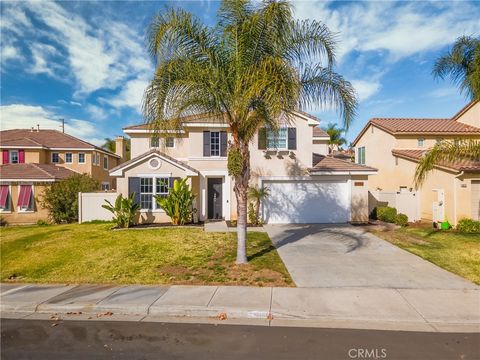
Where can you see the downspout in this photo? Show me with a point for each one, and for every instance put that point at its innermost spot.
(455, 197)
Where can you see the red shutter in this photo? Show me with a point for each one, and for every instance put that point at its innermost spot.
(3, 196)
(5, 157)
(21, 156)
(24, 196)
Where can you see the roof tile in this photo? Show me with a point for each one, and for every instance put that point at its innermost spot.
(461, 165)
(328, 163)
(34, 172)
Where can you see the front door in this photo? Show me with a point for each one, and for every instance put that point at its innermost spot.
(215, 198)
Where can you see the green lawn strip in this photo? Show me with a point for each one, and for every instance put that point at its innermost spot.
(455, 252)
(95, 254)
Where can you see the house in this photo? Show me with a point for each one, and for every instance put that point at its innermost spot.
(306, 186)
(395, 145)
(33, 158)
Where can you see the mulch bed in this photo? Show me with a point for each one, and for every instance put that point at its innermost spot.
(162, 225)
(230, 224)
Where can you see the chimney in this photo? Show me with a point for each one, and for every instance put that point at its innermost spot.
(120, 147)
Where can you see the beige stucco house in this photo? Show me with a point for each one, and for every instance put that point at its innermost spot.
(395, 145)
(306, 185)
(33, 158)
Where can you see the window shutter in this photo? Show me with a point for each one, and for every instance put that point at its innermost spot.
(223, 143)
(262, 138)
(21, 156)
(292, 138)
(206, 143)
(171, 181)
(134, 186)
(5, 157)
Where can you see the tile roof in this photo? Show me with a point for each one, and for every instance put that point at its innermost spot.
(45, 138)
(153, 151)
(34, 172)
(319, 132)
(415, 126)
(328, 163)
(415, 155)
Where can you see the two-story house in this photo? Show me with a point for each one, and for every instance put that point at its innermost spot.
(395, 145)
(306, 186)
(32, 158)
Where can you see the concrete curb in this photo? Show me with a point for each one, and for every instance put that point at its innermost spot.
(431, 310)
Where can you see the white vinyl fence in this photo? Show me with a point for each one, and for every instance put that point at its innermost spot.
(90, 206)
(406, 202)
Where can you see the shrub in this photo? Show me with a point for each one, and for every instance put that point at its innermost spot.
(42, 222)
(468, 226)
(124, 210)
(252, 216)
(3, 222)
(373, 214)
(257, 195)
(386, 213)
(401, 219)
(61, 197)
(178, 203)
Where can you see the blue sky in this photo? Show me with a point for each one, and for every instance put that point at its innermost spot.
(86, 61)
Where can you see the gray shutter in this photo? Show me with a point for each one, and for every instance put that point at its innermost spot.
(292, 138)
(262, 138)
(134, 186)
(171, 180)
(206, 143)
(223, 143)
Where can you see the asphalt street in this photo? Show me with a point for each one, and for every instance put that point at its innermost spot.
(41, 339)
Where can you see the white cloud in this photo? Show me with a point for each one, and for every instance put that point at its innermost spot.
(42, 60)
(366, 88)
(21, 116)
(131, 95)
(96, 112)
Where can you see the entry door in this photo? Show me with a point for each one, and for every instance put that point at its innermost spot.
(215, 198)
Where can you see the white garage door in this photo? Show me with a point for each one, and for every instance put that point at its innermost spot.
(307, 201)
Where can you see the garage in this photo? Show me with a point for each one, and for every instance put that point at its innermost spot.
(307, 201)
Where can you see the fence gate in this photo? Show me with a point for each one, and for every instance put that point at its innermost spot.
(406, 202)
(90, 206)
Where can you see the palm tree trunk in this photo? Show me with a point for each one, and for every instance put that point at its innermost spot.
(241, 192)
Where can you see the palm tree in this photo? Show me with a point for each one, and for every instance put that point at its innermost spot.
(336, 139)
(462, 65)
(109, 145)
(255, 64)
(258, 195)
(444, 153)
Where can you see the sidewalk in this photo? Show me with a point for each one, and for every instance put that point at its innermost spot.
(358, 308)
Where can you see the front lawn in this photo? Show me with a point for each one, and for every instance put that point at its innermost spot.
(455, 252)
(92, 253)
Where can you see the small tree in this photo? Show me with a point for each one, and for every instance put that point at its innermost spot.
(178, 203)
(258, 195)
(61, 198)
(124, 210)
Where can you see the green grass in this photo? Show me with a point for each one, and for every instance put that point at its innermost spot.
(455, 252)
(92, 253)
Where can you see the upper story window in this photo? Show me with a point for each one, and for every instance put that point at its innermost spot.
(170, 142)
(215, 143)
(105, 162)
(361, 155)
(81, 158)
(13, 157)
(105, 186)
(68, 158)
(154, 142)
(421, 142)
(55, 158)
(25, 198)
(5, 199)
(277, 139)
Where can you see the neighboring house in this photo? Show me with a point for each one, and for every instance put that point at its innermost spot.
(34, 158)
(394, 146)
(304, 188)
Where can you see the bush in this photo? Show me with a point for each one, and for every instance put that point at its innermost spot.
(386, 213)
(252, 216)
(124, 210)
(373, 214)
(401, 219)
(178, 203)
(42, 222)
(3, 222)
(61, 197)
(468, 226)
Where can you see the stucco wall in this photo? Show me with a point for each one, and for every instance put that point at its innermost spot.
(472, 116)
(359, 205)
(19, 217)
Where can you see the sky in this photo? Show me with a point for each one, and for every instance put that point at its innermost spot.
(87, 63)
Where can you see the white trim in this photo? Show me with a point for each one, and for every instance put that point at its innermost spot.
(206, 125)
(84, 149)
(148, 131)
(208, 158)
(174, 142)
(19, 210)
(29, 180)
(105, 158)
(352, 172)
(154, 175)
(51, 158)
(9, 211)
(310, 121)
(22, 147)
(226, 191)
(84, 158)
(68, 162)
(320, 137)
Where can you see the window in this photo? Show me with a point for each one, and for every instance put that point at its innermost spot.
(439, 140)
(215, 143)
(97, 158)
(25, 198)
(421, 142)
(277, 139)
(146, 193)
(81, 158)
(5, 198)
(154, 142)
(361, 155)
(68, 158)
(161, 186)
(170, 142)
(105, 186)
(105, 162)
(13, 156)
(55, 158)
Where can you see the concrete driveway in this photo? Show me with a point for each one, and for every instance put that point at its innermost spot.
(347, 256)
